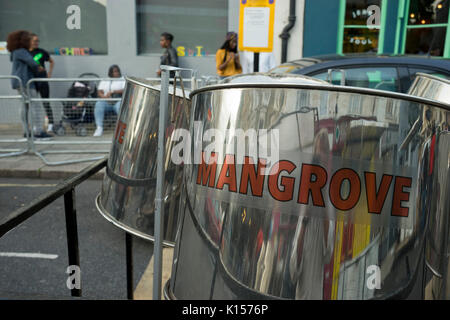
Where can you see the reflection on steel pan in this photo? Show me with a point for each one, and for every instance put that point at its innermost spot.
(433, 126)
(333, 209)
(128, 191)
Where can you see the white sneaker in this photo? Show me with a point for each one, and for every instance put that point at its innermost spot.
(98, 132)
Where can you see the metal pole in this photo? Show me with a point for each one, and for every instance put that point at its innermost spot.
(129, 261)
(159, 205)
(256, 62)
(72, 234)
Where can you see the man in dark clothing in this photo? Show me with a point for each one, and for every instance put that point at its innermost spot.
(41, 56)
(169, 56)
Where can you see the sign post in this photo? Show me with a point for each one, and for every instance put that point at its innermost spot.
(256, 20)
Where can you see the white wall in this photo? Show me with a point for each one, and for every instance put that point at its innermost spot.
(295, 42)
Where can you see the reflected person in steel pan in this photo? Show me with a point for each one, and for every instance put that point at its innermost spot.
(108, 89)
(313, 241)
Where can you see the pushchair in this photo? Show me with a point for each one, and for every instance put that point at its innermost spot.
(78, 113)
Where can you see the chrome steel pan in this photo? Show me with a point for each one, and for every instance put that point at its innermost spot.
(435, 124)
(127, 198)
(339, 214)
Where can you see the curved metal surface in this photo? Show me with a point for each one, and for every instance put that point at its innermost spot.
(331, 209)
(435, 123)
(127, 197)
(307, 83)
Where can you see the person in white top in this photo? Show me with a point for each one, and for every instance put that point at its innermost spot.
(266, 61)
(108, 89)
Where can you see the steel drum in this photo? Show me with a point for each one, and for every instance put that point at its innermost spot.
(332, 205)
(127, 197)
(433, 124)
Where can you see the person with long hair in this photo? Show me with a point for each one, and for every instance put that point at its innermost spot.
(227, 57)
(108, 89)
(25, 68)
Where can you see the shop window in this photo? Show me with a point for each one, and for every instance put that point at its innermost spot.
(426, 28)
(78, 29)
(199, 26)
(357, 34)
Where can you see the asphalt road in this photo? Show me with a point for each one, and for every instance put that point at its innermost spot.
(101, 244)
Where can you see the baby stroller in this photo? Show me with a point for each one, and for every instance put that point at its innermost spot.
(79, 113)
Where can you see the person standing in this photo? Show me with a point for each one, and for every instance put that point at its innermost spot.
(170, 56)
(25, 68)
(227, 58)
(41, 56)
(266, 61)
(108, 89)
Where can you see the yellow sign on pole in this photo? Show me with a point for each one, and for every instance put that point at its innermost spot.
(256, 19)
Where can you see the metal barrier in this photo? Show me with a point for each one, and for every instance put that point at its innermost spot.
(209, 80)
(84, 118)
(77, 114)
(21, 98)
(66, 189)
(28, 102)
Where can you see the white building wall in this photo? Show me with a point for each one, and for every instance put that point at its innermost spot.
(295, 42)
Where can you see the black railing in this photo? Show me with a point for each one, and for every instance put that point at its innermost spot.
(66, 189)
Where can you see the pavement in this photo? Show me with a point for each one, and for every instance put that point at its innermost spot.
(54, 158)
(58, 158)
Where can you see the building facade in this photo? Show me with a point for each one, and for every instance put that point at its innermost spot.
(90, 35)
(396, 27)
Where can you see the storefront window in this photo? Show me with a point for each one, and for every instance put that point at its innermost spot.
(198, 26)
(357, 34)
(427, 27)
(356, 12)
(79, 29)
(360, 40)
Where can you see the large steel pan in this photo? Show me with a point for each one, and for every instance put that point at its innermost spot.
(127, 198)
(434, 124)
(334, 207)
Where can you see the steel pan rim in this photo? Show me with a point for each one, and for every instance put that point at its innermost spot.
(334, 88)
(124, 227)
(432, 77)
(146, 85)
(140, 82)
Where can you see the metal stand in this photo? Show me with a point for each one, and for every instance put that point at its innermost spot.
(72, 234)
(129, 263)
(160, 181)
(255, 61)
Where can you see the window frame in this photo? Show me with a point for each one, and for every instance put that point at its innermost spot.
(140, 52)
(403, 14)
(342, 26)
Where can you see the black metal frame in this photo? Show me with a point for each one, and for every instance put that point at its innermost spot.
(66, 189)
